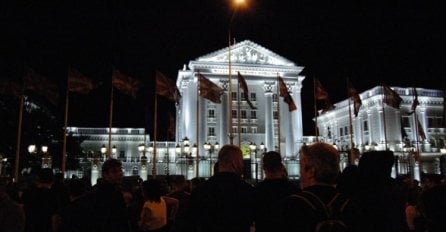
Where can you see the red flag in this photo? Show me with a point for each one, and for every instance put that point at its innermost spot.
(391, 98)
(415, 102)
(209, 90)
(41, 85)
(125, 83)
(244, 86)
(10, 88)
(353, 93)
(421, 131)
(283, 92)
(79, 83)
(166, 88)
(320, 93)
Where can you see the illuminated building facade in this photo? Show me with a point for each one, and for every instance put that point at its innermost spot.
(401, 128)
(203, 121)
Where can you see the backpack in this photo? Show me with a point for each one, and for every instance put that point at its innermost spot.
(330, 213)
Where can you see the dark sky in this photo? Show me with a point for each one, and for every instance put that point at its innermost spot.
(401, 43)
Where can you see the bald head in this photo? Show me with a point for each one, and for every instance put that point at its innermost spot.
(230, 159)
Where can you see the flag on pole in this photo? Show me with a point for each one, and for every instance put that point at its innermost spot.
(166, 88)
(10, 88)
(244, 86)
(79, 83)
(421, 131)
(320, 93)
(125, 83)
(41, 85)
(209, 90)
(353, 93)
(391, 97)
(283, 92)
(415, 102)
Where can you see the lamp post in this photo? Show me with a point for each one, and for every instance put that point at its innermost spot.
(103, 151)
(46, 158)
(114, 150)
(143, 159)
(211, 149)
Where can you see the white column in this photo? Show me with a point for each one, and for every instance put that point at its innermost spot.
(369, 125)
(269, 122)
(188, 111)
(296, 117)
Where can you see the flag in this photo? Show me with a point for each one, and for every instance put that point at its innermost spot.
(319, 93)
(209, 90)
(415, 102)
(11, 88)
(421, 131)
(353, 93)
(283, 92)
(244, 87)
(171, 129)
(391, 98)
(125, 83)
(166, 88)
(41, 85)
(79, 83)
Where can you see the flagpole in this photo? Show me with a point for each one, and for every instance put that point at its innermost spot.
(197, 159)
(231, 136)
(64, 148)
(384, 119)
(110, 123)
(315, 110)
(19, 136)
(238, 112)
(155, 130)
(418, 154)
(350, 158)
(278, 113)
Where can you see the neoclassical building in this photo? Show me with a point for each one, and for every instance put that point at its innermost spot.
(399, 129)
(203, 126)
(271, 124)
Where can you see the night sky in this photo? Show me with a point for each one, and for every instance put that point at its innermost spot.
(400, 43)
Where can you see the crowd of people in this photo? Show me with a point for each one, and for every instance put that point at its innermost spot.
(360, 198)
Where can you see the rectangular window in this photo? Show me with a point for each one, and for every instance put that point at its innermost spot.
(242, 96)
(253, 114)
(253, 130)
(346, 130)
(275, 115)
(234, 113)
(211, 131)
(366, 126)
(243, 112)
(122, 154)
(405, 121)
(234, 130)
(244, 129)
(234, 96)
(341, 131)
(211, 113)
(253, 96)
(275, 98)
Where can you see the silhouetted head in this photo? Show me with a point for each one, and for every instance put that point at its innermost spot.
(376, 164)
(230, 159)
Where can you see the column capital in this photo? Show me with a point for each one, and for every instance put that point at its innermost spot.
(268, 87)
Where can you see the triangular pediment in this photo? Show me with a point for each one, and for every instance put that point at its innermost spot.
(246, 52)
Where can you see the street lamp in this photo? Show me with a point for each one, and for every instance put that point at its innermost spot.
(103, 151)
(210, 149)
(46, 159)
(114, 150)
